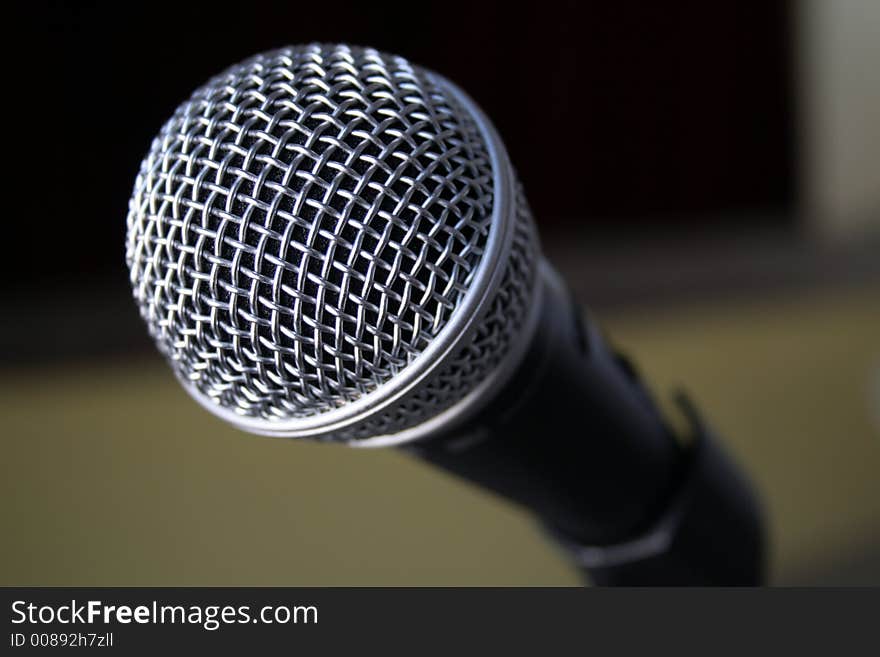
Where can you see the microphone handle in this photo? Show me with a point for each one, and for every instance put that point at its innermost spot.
(574, 437)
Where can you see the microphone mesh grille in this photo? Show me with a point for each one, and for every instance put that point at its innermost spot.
(306, 224)
(498, 329)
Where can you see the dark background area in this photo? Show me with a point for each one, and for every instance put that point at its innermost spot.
(618, 115)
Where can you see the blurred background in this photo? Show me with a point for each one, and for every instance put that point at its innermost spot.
(705, 175)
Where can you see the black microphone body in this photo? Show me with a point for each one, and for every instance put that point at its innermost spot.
(574, 437)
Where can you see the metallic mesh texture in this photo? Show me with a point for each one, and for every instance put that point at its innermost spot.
(498, 329)
(306, 224)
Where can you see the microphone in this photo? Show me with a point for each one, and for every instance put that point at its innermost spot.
(328, 242)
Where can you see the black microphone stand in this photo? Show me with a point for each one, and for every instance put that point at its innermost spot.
(575, 437)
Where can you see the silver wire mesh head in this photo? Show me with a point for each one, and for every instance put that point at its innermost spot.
(327, 242)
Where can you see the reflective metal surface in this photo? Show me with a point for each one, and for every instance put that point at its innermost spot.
(326, 241)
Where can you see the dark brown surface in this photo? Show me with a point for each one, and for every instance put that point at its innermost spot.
(616, 115)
